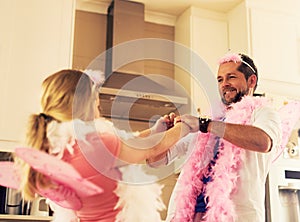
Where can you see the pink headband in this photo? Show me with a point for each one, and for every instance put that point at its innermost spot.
(233, 57)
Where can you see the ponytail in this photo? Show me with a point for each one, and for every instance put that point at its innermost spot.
(37, 139)
(37, 132)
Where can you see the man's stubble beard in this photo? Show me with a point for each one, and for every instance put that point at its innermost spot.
(237, 97)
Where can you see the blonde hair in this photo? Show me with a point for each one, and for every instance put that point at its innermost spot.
(67, 94)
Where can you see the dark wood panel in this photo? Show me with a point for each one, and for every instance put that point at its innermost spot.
(89, 38)
(90, 41)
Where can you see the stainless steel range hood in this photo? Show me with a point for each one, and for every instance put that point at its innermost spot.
(129, 93)
(139, 98)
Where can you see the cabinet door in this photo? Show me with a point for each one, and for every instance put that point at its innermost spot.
(275, 45)
(209, 39)
(35, 40)
(210, 42)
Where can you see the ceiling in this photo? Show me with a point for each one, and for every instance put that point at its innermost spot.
(176, 7)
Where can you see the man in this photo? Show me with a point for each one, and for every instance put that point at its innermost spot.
(224, 178)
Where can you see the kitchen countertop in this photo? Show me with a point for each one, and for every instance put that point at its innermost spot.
(8, 145)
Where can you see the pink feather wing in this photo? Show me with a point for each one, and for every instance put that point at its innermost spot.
(63, 197)
(58, 170)
(71, 186)
(9, 175)
(289, 114)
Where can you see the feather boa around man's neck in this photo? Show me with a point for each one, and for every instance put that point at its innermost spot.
(225, 176)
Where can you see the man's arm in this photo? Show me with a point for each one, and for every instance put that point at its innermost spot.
(259, 137)
(245, 136)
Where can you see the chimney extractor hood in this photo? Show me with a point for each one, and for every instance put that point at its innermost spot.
(137, 97)
(129, 94)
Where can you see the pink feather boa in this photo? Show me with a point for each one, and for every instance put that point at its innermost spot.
(225, 177)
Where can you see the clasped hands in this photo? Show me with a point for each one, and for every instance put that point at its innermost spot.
(168, 121)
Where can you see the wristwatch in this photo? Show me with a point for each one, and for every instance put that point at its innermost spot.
(203, 124)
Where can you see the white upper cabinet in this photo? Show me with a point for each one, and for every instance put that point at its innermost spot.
(35, 41)
(275, 43)
(269, 33)
(205, 33)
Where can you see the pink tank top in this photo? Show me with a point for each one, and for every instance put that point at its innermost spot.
(100, 207)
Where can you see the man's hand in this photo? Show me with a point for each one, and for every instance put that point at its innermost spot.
(191, 121)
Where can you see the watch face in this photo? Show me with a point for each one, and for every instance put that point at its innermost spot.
(203, 124)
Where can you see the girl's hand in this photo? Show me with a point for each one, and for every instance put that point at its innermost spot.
(164, 123)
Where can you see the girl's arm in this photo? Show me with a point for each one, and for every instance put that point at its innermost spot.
(139, 149)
